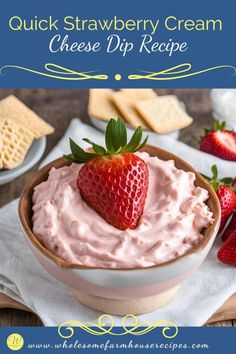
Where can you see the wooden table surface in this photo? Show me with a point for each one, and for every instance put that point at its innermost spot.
(58, 107)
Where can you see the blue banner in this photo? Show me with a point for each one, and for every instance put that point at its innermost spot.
(74, 340)
(118, 44)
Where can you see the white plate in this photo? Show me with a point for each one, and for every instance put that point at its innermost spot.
(101, 125)
(33, 156)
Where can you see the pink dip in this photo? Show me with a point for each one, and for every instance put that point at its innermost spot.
(173, 218)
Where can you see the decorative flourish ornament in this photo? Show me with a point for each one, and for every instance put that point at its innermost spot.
(55, 71)
(177, 72)
(130, 325)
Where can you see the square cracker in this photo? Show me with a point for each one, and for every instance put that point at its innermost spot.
(100, 104)
(164, 114)
(125, 101)
(15, 142)
(11, 107)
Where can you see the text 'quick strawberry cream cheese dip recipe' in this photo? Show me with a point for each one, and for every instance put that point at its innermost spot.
(172, 220)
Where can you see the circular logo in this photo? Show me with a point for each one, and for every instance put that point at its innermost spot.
(15, 341)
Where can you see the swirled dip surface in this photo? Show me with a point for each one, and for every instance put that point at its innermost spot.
(174, 216)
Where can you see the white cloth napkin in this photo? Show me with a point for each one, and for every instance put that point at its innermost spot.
(23, 278)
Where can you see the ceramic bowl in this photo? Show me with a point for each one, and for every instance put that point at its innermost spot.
(121, 291)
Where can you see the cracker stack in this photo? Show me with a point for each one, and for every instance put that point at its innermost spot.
(162, 114)
(19, 126)
(11, 107)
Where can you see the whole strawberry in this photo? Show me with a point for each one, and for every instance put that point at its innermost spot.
(226, 195)
(227, 200)
(114, 181)
(230, 228)
(219, 142)
(227, 252)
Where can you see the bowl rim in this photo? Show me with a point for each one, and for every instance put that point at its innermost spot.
(26, 199)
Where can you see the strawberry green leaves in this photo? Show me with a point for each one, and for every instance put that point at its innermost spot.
(135, 142)
(215, 182)
(219, 125)
(78, 155)
(116, 143)
(97, 148)
(116, 135)
(116, 138)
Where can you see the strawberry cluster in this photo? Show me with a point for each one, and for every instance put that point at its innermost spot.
(227, 252)
(225, 190)
(221, 142)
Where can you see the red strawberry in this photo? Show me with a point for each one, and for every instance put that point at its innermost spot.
(219, 142)
(233, 184)
(230, 228)
(227, 252)
(227, 200)
(114, 181)
(225, 193)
